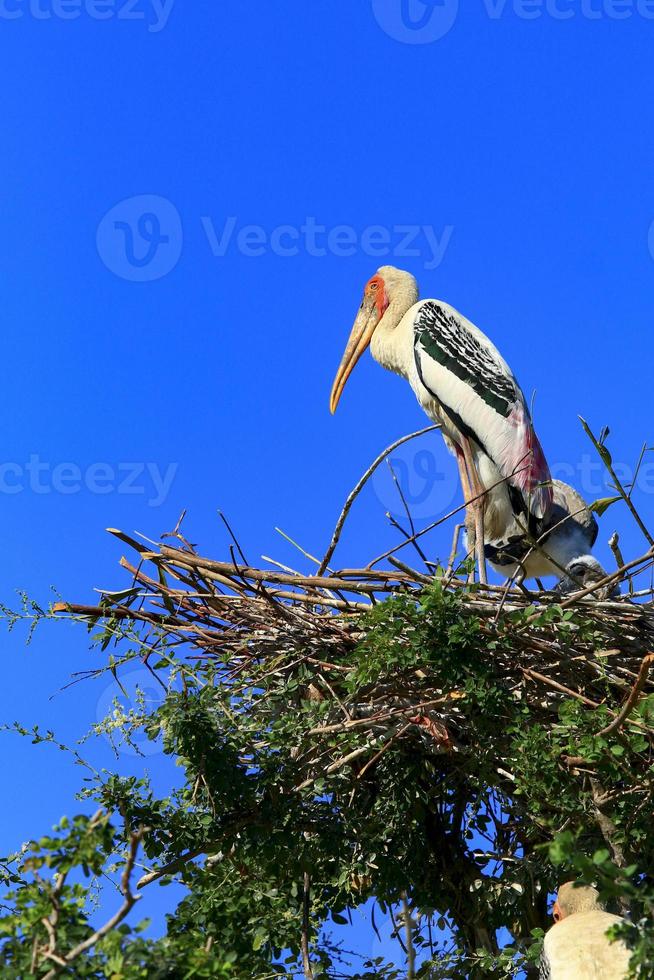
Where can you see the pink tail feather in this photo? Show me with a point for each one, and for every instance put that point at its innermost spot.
(535, 480)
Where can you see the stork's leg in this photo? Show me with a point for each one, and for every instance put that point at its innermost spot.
(477, 506)
(516, 580)
(467, 497)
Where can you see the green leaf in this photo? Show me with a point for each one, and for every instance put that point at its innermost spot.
(260, 938)
(605, 455)
(600, 507)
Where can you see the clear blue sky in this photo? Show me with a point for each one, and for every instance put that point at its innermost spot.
(518, 147)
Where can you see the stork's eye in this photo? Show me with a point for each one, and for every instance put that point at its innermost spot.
(373, 285)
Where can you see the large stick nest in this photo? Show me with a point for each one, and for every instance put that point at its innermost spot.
(250, 622)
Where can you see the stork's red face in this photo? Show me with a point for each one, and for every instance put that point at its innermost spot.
(374, 305)
(376, 289)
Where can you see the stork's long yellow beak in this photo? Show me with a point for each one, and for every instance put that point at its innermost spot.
(364, 327)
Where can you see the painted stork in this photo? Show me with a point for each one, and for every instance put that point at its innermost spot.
(565, 536)
(577, 947)
(583, 572)
(462, 382)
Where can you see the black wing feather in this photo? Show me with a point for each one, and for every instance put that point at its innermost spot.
(442, 337)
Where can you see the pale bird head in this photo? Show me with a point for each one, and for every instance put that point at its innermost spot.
(574, 897)
(383, 290)
(587, 569)
(584, 572)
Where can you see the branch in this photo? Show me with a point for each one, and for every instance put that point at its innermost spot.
(442, 520)
(306, 924)
(607, 580)
(408, 935)
(614, 545)
(236, 823)
(171, 867)
(359, 487)
(605, 824)
(632, 700)
(606, 459)
(129, 901)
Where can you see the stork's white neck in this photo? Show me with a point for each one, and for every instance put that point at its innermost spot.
(392, 342)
